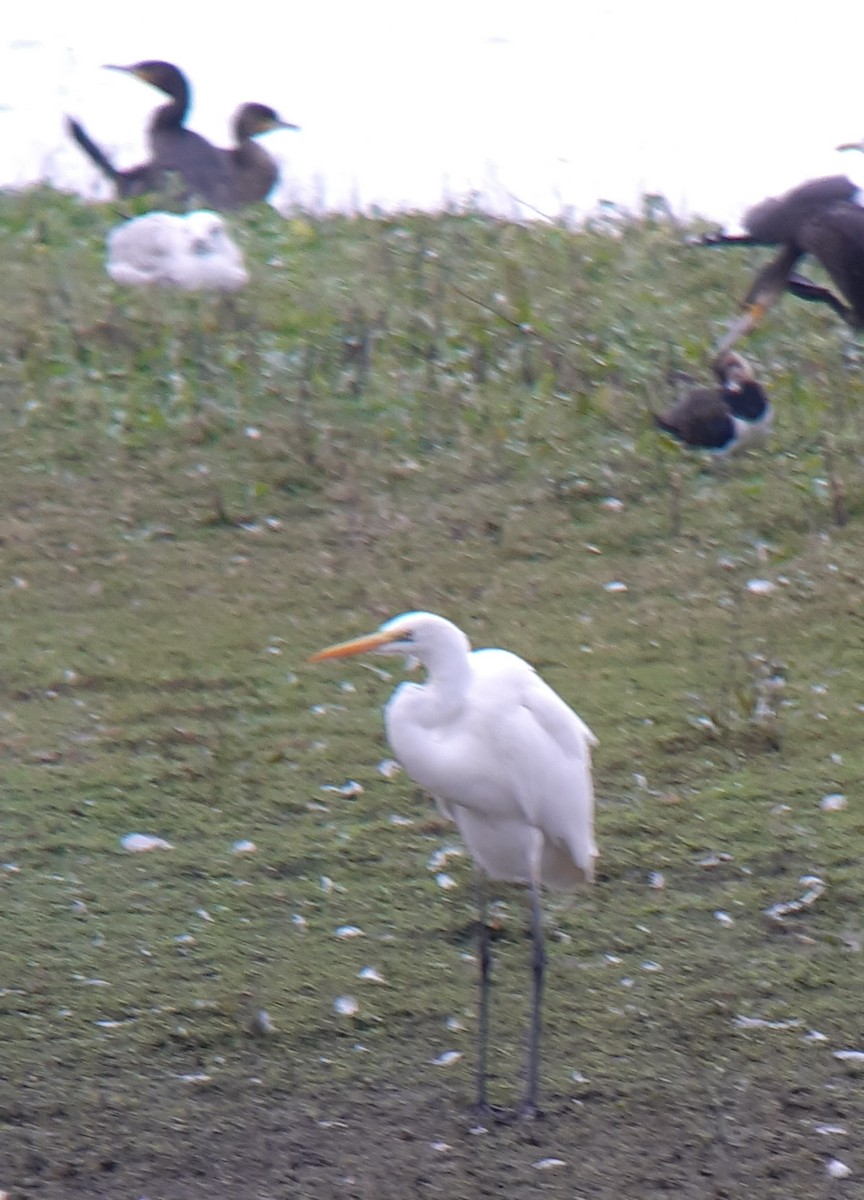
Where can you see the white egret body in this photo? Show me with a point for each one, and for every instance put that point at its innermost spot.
(505, 759)
(192, 252)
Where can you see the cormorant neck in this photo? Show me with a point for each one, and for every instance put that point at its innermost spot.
(173, 114)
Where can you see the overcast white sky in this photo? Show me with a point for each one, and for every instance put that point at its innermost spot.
(406, 102)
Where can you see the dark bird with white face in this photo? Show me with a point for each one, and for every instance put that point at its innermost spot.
(723, 419)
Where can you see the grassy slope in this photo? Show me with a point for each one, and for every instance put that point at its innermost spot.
(195, 495)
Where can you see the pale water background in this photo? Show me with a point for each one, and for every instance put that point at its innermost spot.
(549, 106)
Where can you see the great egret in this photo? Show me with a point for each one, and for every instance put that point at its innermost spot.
(723, 419)
(509, 762)
(192, 252)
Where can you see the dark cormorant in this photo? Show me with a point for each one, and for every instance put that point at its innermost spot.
(252, 171)
(834, 235)
(133, 181)
(776, 220)
(223, 179)
(173, 147)
(721, 419)
(202, 167)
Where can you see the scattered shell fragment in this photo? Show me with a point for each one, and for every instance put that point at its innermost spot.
(370, 974)
(261, 1023)
(396, 819)
(442, 1147)
(704, 722)
(548, 1164)
(851, 1056)
(200, 1077)
(346, 1006)
(439, 858)
(723, 917)
(657, 880)
(815, 887)
(713, 860)
(741, 1022)
(389, 768)
(837, 1169)
(612, 503)
(615, 585)
(243, 847)
(299, 920)
(348, 789)
(761, 587)
(454, 1024)
(348, 931)
(138, 843)
(833, 802)
(840, 1130)
(447, 1058)
(445, 881)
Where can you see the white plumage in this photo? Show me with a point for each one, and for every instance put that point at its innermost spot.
(505, 758)
(192, 252)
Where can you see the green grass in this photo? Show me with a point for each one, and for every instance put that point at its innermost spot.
(415, 412)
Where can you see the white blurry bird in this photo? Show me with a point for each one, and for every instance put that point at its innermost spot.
(192, 252)
(508, 761)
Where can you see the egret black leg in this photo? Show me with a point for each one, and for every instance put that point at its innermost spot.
(538, 966)
(485, 962)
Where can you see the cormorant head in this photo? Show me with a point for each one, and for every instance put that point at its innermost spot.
(252, 119)
(162, 75)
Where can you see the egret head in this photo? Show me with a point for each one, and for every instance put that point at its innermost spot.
(417, 635)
